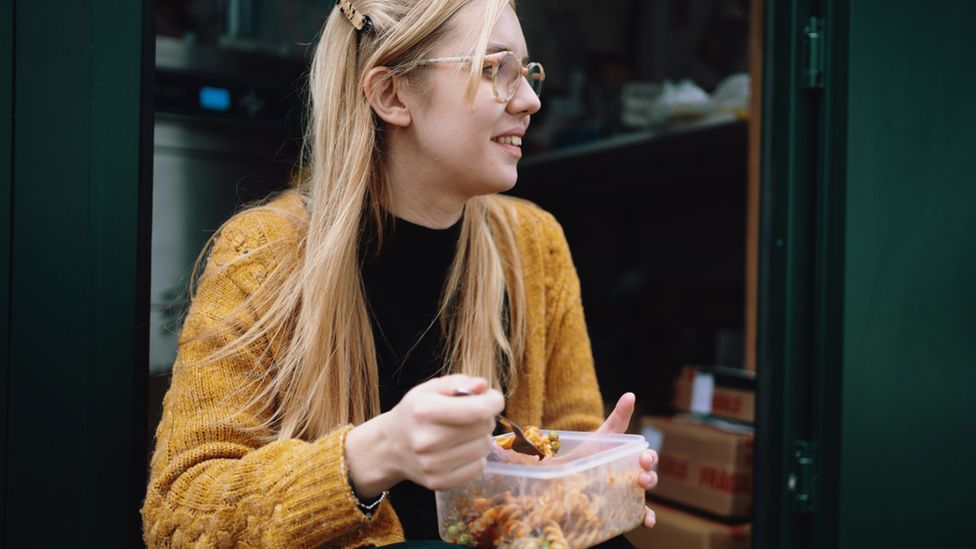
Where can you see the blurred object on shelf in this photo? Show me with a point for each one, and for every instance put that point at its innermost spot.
(208, 83)
(593, 51)
(647, 105)
(716, 391)
(653, 105)
(638, 102)
(731, 96)
(283, 28)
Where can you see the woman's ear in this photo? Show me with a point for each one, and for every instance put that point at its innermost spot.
(383, 93)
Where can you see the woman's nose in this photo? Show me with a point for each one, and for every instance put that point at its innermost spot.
(525, 101)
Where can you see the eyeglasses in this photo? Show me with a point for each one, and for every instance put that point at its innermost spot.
(504, 69)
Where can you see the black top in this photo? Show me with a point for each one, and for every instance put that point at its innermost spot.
(403, 291)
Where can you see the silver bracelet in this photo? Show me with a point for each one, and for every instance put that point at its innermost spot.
(367, 508)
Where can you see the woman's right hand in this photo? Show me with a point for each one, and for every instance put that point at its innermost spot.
(432, 437)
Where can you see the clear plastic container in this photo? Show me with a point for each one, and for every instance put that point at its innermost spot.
(586, 494)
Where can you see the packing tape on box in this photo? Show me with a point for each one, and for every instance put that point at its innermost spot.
(702, 390)
(655, 439)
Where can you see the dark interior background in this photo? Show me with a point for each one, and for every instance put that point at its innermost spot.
(654, 213)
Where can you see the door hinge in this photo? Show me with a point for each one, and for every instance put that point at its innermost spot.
(812, 64)
(802, 479)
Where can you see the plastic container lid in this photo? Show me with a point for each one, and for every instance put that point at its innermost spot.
(608, 447)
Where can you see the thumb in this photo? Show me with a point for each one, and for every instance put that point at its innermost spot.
(619, 419)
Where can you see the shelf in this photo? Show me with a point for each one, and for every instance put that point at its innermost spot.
(702, 157)
(635, 139)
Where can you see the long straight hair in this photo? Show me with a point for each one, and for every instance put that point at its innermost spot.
(308, 330)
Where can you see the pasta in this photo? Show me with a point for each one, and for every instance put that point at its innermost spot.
(548, 443)
(561, 515)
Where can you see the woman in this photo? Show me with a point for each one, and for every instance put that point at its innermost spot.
(334, 326)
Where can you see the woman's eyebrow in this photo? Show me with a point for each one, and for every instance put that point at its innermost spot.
(495, 48)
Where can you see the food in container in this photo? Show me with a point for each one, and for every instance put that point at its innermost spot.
(585, 495)
(547, 443)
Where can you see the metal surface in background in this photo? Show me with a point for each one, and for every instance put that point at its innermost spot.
(229, 101)
(202, 173)
(226, 135)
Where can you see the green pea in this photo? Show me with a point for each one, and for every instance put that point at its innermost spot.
(466, 539)
(452, 530)
(545, 545)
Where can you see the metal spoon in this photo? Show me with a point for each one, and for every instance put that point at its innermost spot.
(521, 444)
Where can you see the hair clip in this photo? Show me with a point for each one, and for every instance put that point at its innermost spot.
(358, 20)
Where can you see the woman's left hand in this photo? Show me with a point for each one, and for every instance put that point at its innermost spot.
(618, 422)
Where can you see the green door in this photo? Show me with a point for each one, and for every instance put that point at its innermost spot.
(6, 174)
(907, 420)
(75, 153)
(868, 323)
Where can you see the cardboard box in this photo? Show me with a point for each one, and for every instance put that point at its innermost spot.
(702, 466)
(677, 529)
(717, 391)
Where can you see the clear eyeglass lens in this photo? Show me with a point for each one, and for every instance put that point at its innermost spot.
(508, 74)
(510, 70)
(535, 76)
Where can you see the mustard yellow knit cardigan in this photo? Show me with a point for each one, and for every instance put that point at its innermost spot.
(214, 484)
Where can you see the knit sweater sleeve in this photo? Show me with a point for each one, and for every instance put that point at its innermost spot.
(215, 481)
(573, 400)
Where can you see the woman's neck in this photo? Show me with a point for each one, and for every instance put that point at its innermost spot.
(420, 192)
(425, 207)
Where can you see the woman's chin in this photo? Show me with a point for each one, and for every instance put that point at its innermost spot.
(502, 186)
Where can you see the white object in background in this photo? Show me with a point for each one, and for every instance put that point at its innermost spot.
(731, 95)
(637, 104)
(645, 104)
(683, 99)
(701, 393)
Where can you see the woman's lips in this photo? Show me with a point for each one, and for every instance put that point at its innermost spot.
(511, 143)
(509, 140)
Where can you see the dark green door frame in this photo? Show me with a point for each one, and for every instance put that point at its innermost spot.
(6, 176)
(781, 407)
(867, 339)
(799, 285)
(77, 145)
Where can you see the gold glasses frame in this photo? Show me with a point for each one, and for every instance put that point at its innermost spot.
(533, 72)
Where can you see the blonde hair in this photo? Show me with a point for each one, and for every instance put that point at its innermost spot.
(312, 322)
